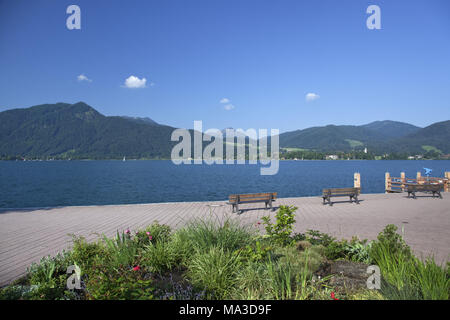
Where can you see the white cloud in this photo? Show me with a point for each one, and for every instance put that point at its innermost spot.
(311, 97)
(229, 107)
(135, 82)
(82, 77)
(224, 100)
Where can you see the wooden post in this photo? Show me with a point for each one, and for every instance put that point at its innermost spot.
(387, 182)
(403, 178)
(357, 180)
(447, 183)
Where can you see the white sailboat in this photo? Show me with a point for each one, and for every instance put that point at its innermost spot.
(123, 159)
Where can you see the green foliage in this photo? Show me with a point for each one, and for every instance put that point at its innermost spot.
(153, 233)
(119, 283)
(390, 240)
(48, 278)
(358, 251)
(122, 250)
(281, 230)
(160, 257)
(204, 234)
(214, 270)
(85, 253)
(49, 268)
(256, 251)
(285, 274)
(405, 276)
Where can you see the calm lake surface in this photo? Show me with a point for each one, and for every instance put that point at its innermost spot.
(67, 183)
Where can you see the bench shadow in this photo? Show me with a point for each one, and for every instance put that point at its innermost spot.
(343, 201)
(428, 196)
(241, 211)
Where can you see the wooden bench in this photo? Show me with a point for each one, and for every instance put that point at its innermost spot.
(236, 199)
(327, 194)
(433, 188)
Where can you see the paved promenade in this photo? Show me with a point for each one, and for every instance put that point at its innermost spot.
(26, 235)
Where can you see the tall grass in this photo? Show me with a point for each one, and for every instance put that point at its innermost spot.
(214, 270)
(405, 277)
(122, 250)
(202, 235)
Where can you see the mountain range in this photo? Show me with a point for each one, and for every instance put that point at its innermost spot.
(78, 131)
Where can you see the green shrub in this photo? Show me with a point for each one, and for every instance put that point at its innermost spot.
(433, 280)
(281, 230)
(16, 292)
(405, 276)
(152, 234)
(214, 270)
(121, 250)
(285, 274)
(203, 235)
(49, 268)
(85, 253)
(391, 240)
(106, 283)
(160, 257)
(358, 251)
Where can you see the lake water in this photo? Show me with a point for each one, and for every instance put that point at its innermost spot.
(67, 183)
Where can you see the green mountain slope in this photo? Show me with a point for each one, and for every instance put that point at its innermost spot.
(435, 137)
(79, 131)
(392, 129)
(331, 138)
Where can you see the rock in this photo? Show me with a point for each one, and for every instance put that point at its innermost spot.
(345, 275)
(302, 245)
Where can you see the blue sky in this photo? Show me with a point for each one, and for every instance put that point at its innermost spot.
(244, 64)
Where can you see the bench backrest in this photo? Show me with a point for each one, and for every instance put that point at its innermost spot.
(425, 187)
(233, 198)
(343, 191)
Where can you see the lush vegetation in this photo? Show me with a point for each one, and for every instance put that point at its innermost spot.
(221, 259)
(78, 131)
(392, 139)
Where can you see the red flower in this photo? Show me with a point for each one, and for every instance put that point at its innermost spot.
(333, 297)
(137, 268)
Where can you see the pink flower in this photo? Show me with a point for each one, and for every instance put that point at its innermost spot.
(150, 237)
(137, 268)
(148, 233)
(127, 231)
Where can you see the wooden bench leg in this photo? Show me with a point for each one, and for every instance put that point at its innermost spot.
(323, 198)
(270, 204)
(356, 199)
(237, 208)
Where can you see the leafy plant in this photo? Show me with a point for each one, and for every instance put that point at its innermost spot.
(214, 270)
(159, 257)
(117, 284)
(122, 250)
(256, 251)
(281, 230)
